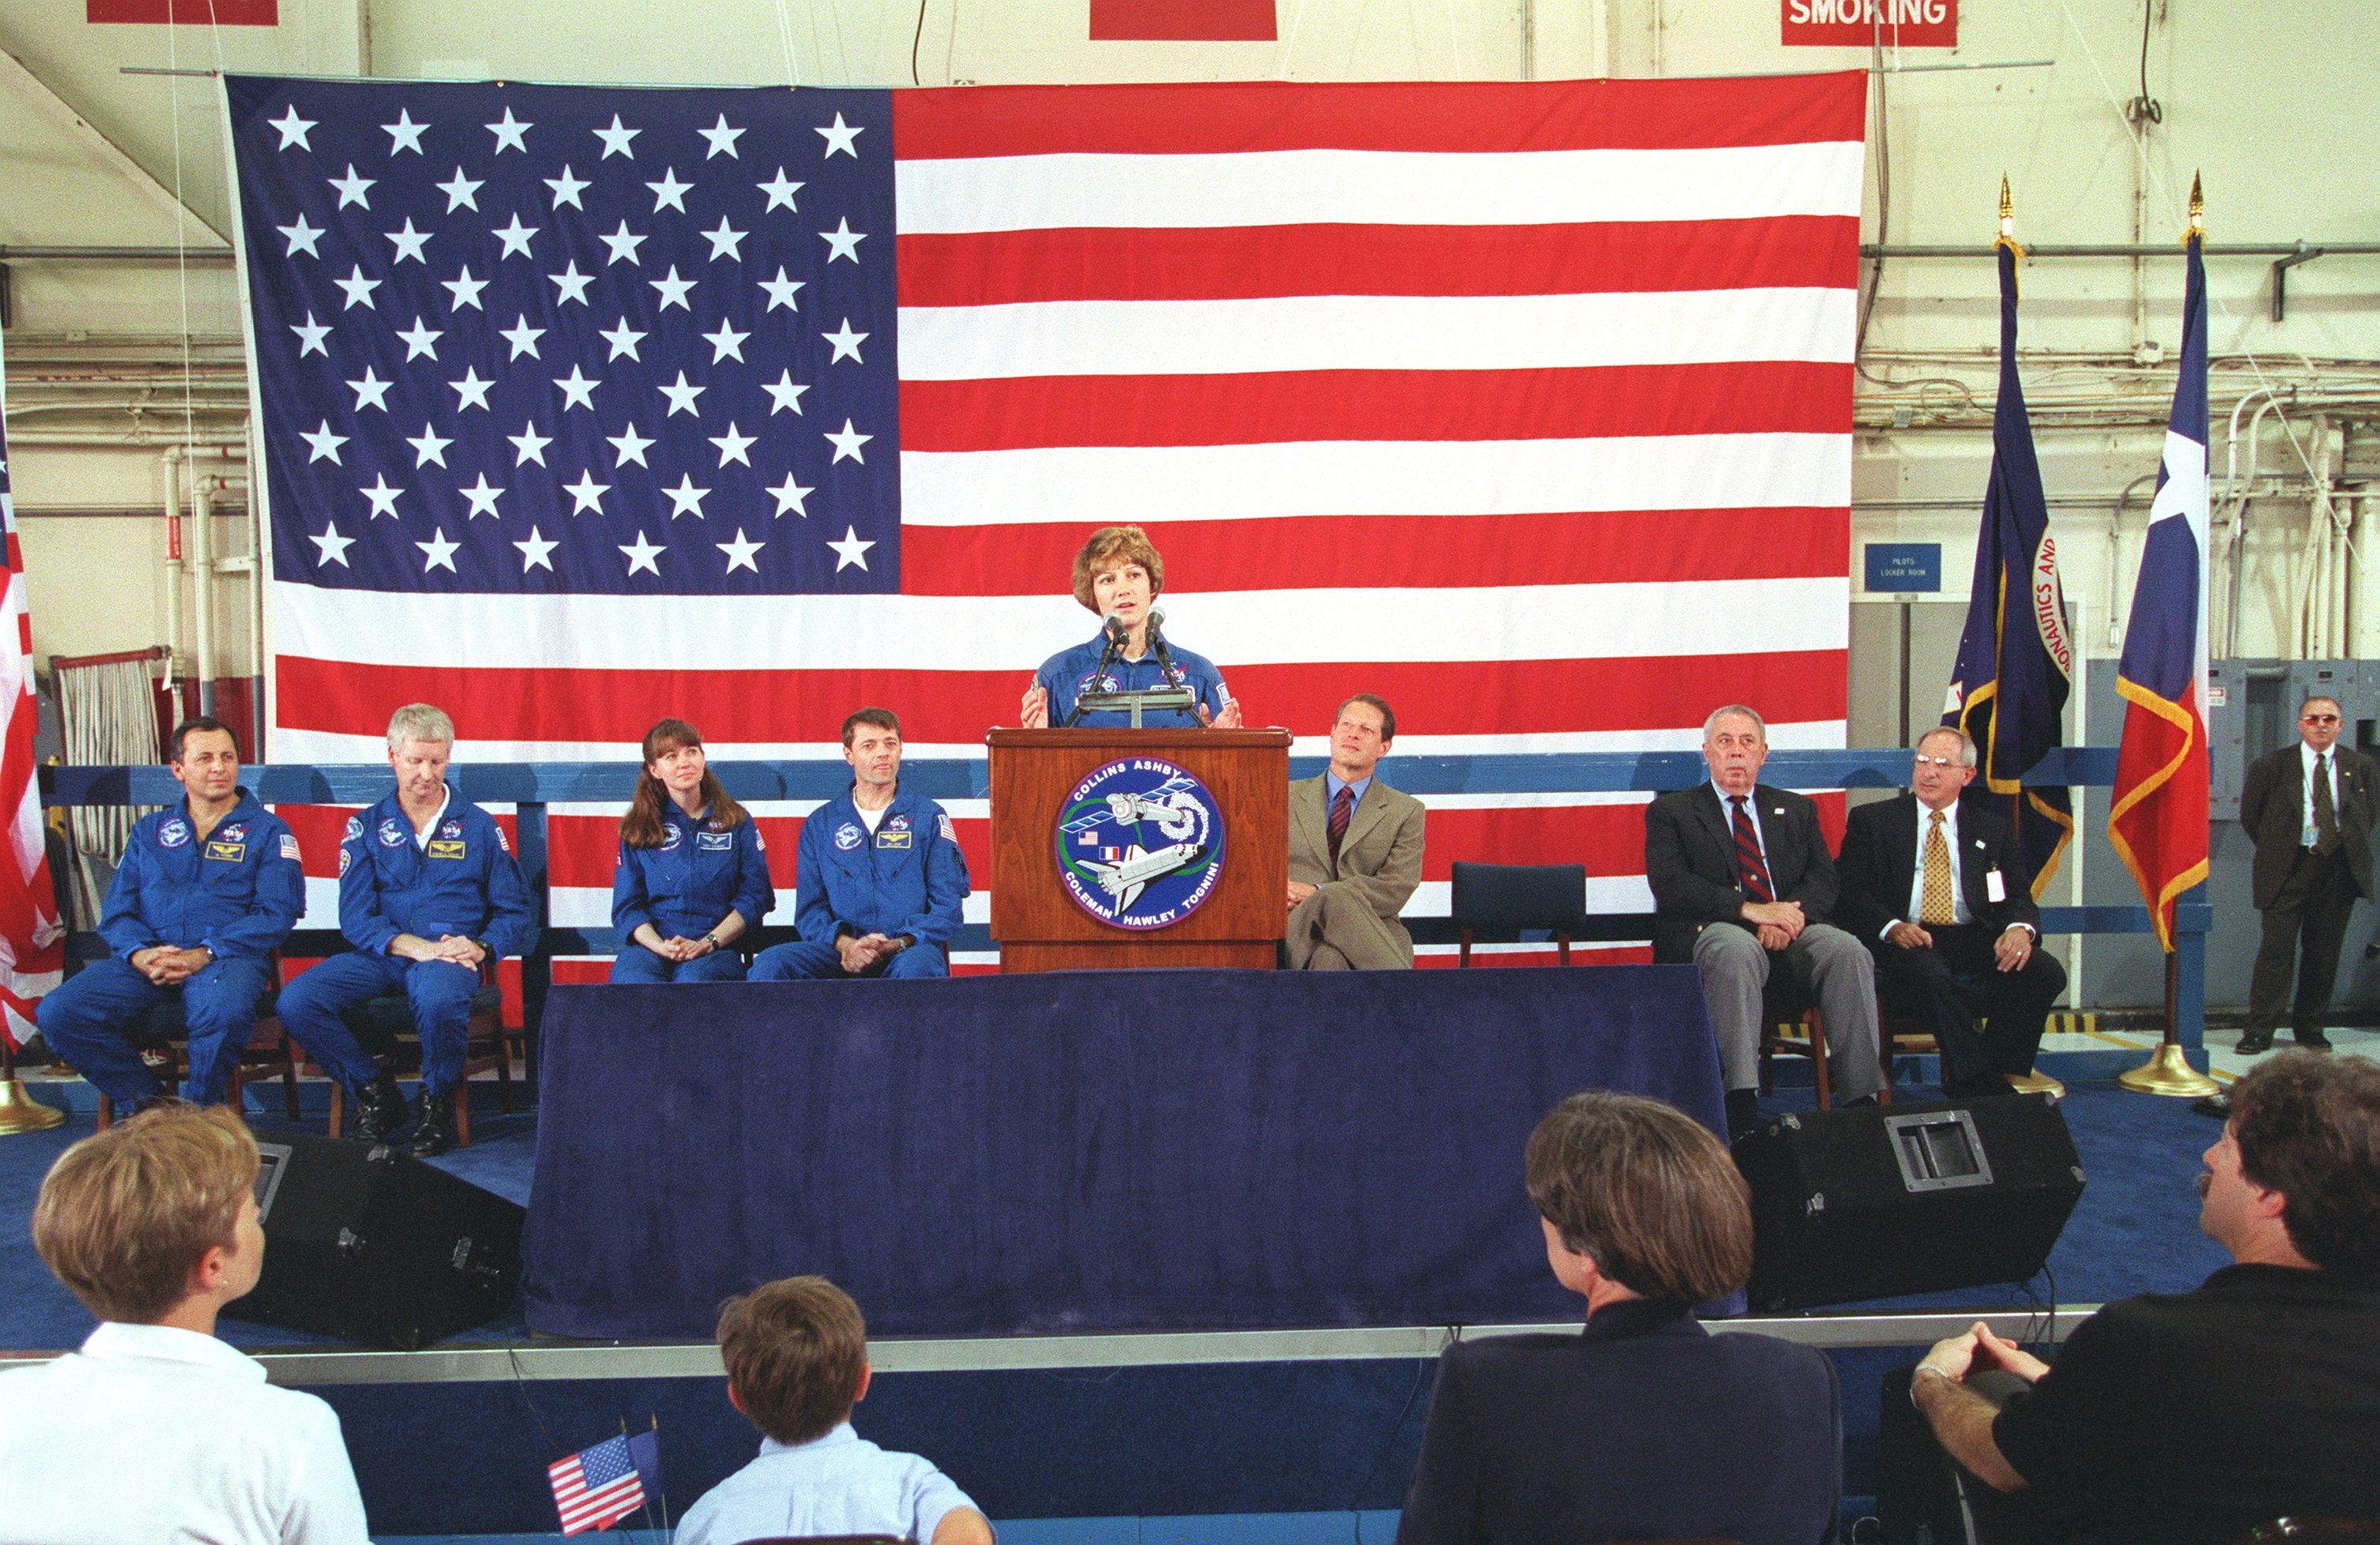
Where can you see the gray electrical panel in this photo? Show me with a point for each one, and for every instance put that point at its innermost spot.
(2252, 708)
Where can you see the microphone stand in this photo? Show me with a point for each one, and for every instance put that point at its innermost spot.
(1113, 627)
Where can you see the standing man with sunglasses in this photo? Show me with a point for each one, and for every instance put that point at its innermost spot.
(2308, 810)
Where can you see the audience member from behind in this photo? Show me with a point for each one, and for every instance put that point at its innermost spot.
(796, 1357)
(692, 875)
(1645, 1427)
(2194, 1417)
(155, 1430)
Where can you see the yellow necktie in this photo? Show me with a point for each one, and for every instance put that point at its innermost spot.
(1938, 910)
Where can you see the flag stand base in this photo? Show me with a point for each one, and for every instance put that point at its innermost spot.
(2169, 1073)
(20, 1112)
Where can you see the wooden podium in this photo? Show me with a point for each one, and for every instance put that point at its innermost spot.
(1040, 928)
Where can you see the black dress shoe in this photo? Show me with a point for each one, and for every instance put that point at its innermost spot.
(1742, 1112)
(2254, 1041)
(2313, 1039)
(379, 1109)
(435, 1134)
(2215, 1106)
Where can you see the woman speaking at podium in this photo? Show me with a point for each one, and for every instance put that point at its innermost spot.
(1118, 577)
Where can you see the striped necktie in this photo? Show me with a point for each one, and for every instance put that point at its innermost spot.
(1748, 861)
(1341, 809)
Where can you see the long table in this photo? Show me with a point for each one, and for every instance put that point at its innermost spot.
(1080, 1150)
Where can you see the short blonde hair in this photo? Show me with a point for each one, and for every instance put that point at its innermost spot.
(125, 1215)
(1647, 1191)
(1106, 547)
(420, 721)
(794, 1349)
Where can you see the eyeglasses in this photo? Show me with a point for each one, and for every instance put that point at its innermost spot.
(1945, 763)
(2319, 719)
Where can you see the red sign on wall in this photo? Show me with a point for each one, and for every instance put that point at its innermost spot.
(1858, 23)
(186, 13)
(1182, 21)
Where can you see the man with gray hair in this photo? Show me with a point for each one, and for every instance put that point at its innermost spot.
(1742, 883)
(1942, 896)
(429, 896)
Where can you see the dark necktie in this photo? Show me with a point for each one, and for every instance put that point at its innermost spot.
(1748, 861)
(1341, 809)
(1936, 909)
(2326, 815)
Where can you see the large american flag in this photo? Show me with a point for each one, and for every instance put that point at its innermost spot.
(1525, 405)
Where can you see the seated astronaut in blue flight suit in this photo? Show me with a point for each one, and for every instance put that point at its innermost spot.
(693, 873)
(1118, 575)
(878, 874)
(207, 890)
(428, 893)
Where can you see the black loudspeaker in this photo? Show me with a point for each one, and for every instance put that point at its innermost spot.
(364, 1242)
(1879, 1200)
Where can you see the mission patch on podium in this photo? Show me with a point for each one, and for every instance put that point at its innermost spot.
(1140, 844)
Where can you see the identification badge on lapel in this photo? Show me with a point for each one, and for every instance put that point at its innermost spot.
(1994, 885)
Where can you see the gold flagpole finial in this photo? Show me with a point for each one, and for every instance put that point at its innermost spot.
(2008, 212)
(2197, 206)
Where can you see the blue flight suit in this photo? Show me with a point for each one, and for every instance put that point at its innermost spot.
(908, 877)
(239, 893)
(463, 882)
(1069, 674)
(684, 888)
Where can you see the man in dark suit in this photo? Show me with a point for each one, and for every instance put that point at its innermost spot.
(1950, 919)
(2308, 810)
(1347, 890)
(1741, 883)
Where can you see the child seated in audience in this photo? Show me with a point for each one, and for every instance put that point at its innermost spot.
(796, 1356)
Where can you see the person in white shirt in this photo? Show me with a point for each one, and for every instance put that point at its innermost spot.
(155, 1432)
(796, 1357)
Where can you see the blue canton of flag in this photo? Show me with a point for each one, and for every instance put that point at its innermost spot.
(541, 341)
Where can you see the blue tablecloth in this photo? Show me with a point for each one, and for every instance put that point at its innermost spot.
(1080, 1150)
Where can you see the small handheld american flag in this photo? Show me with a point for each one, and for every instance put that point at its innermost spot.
(596, 1487)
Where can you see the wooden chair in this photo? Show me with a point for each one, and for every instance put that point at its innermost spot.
(383, 1022)
(1508, 899)
(165, 1028)
(1786, 1008)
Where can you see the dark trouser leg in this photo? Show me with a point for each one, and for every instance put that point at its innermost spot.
(2276, 952)
(1925, 983)
(438, 992)
(82, 1018)
(2017, 1005)
(2330, 897)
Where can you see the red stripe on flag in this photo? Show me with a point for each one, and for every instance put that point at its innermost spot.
(1182, 22)
(183, 12)
(991, 268)
(1407, 551)
(1544, 697)
(1221, 117)
(1785, 396)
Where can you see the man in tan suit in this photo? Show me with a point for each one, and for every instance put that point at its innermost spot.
(1355, 853)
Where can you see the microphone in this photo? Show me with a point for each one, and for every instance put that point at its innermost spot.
(1112, 626)
(1157, 643)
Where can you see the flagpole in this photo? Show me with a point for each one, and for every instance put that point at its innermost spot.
(2168, 1071)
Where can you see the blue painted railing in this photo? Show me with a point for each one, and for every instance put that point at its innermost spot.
(535, 787)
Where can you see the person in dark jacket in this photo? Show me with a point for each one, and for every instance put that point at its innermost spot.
(207, 890)
(2308, 810)
(1645, 1427)
(693, 873)
(429, 896)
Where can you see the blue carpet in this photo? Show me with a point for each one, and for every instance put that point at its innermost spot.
(1214, 1454)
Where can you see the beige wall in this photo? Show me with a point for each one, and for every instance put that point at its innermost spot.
(2271, 102)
